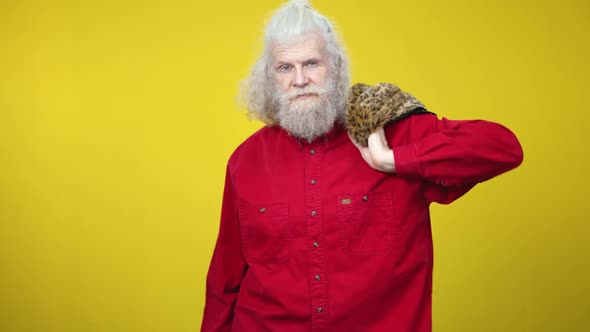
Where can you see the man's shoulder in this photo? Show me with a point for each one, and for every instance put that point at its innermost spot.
(261, 135)
(414, 123)
(254, 142)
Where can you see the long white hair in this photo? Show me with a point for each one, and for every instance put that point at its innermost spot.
(289, 22)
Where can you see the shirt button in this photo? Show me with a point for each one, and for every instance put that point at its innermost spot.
(262, 210)
(441, 182)
(317, 277)
(365, 198)
(312, 181)
(313, 213)
(315, 244)
(319, 309)
(327, 139)
(312, 152)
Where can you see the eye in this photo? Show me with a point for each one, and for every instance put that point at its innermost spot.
(312, 63)
(284, 68)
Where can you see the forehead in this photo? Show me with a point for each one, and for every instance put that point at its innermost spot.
(308, 46)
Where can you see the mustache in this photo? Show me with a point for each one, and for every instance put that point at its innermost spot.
(288, 96)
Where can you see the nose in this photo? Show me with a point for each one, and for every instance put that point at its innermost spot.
(301, 79)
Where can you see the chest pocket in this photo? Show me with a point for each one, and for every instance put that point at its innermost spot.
(265, 232)
(367, 223)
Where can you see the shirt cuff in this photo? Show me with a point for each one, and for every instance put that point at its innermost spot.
(406, 160)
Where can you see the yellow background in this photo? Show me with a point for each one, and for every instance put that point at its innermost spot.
(117, 119)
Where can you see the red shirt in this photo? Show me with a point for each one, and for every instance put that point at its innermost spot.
(313, 239)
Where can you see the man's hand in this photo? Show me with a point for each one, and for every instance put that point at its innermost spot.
(378, 154)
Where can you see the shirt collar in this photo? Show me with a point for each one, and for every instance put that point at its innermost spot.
(327, 140)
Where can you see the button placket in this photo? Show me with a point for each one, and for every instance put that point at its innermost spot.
(316, 254)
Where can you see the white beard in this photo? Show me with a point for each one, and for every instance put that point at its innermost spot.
(311, 117)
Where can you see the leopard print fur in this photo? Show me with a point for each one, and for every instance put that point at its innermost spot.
(372, 107)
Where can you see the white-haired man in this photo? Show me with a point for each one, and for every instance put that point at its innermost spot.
(316, 235)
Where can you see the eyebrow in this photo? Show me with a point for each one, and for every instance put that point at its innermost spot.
(280, 63)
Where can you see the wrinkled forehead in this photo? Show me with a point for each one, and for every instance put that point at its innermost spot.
(299, 49)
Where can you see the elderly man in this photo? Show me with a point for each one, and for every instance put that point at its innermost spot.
(318, 233)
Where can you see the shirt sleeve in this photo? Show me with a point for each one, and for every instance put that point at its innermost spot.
(227, 267)
(452, 156)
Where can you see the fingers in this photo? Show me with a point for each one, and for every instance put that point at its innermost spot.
(375, 149)
(379, 152)
(377, 142)
(377, 138)
(365, 153)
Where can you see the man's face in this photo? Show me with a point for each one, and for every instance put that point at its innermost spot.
(305, 90)
(300, 67)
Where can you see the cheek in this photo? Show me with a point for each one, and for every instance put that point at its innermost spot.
(320, 76)
(282, 82)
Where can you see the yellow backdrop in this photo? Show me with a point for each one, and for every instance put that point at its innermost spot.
(117, 119)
